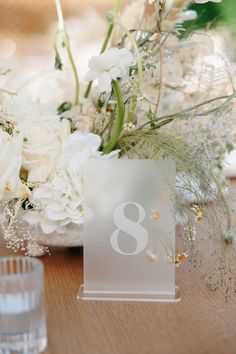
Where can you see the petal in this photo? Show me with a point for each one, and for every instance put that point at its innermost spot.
(93, 141)
(32, 217)
(55, 215)
(104, 84)
(48, 226)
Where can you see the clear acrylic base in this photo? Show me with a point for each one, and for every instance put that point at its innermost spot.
(133, 297)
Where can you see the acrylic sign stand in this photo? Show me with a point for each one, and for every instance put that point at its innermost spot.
(129, 231)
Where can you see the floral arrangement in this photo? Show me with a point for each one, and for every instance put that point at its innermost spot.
(151, 93)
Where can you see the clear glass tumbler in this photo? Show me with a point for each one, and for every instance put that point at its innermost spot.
(22, 308)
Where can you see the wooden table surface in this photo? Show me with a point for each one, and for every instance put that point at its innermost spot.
(202, 323)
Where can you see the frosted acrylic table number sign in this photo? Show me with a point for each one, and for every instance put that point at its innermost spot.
(129, 231)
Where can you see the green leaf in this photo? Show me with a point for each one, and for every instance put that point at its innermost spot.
(64, 107)
(229, 147)
(58, 63)
(4, 71)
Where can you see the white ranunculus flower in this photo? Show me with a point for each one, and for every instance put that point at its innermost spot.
(10, 165)
(205, 1)
(109, 66)
(43, 136)
(60, 201)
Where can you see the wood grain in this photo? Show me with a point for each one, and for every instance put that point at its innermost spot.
(202, 323)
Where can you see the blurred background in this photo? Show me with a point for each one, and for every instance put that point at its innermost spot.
(28, 27)
(25, 23)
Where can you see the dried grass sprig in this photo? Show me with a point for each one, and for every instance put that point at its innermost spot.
(192, 165)
(192, 111)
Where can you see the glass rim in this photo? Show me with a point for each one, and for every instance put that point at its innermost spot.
(38, 266)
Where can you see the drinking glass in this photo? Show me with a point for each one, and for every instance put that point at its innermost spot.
(22, 310)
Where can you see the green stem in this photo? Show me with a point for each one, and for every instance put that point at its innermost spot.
(106, 126)
(107, 38)
(66, 42)
(116, 10)
(120, 118)
(73, 65)
(88, 89)
(8, 92)
(116, 7)
(132, 109)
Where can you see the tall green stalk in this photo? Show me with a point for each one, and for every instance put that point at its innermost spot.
(66, 43)
(120, 118)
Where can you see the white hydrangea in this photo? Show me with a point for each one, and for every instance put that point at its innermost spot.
(43, 136)
(108, 66)
(59, 202)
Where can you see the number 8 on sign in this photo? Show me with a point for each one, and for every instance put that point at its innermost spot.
(130, 227)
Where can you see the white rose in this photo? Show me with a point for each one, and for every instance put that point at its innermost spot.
(43, 136)
(10, 165)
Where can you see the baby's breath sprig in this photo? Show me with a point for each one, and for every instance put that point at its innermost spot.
(17, 234)
(198, 212)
